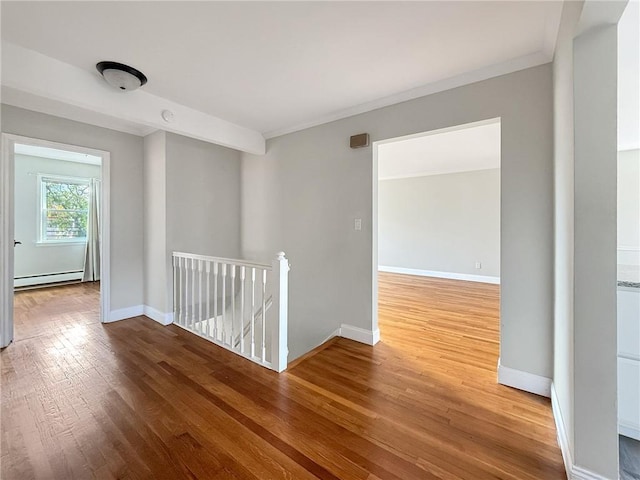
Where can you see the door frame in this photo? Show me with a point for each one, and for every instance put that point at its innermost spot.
(374, 204)
(7, 196)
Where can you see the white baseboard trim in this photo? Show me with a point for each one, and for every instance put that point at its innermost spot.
(574, 472)
(561, 432)
(526, 381)
(358, 334)
(335, 333)
(160, 317)
(579, 473)
(430, 273)
(124, 313)
(137, 310)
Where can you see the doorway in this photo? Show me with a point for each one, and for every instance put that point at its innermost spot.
(437, 227)
(55, 230)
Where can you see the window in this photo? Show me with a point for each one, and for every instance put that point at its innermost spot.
(64, 209)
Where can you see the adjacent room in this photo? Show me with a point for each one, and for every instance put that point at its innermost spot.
(57, 236)
(439, 203)
(439, 237)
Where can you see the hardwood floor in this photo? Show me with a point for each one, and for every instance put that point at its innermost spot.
(44, 311)
(133, 399)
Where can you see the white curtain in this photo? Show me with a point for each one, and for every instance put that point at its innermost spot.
(92, 252)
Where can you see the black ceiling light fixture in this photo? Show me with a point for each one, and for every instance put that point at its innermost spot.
(121, 76)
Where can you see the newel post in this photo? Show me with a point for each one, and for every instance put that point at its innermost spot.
(279, 348)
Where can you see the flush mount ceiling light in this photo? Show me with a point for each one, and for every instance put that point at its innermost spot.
(121, 76)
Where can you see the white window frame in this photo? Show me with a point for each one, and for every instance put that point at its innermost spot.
(42, 209)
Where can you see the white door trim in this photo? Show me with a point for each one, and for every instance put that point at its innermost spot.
(6, 244)
(7, 227)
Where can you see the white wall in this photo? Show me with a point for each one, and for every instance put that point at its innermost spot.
(441, 223)
(563, 365)
(629, 207)
(30, 258)
(303, 195)
(584, 367)
(585, 238)
(126, 190)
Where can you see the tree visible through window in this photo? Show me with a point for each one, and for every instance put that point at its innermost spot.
(65, 207)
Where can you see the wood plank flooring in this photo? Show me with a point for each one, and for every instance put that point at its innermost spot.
(135, 400)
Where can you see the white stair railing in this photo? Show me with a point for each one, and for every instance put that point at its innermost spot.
(241, 306)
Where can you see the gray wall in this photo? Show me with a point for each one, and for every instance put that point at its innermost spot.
(32, 258)
(126, 190)
(595, 326)
(192, 204)
(442, 223)
(155, 222)
(203, 198)
(308, 188)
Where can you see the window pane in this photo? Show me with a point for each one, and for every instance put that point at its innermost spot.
(66, 208)
(67, 196)
(65, 224)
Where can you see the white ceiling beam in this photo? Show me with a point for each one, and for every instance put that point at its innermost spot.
(29, 101)
(38, 75)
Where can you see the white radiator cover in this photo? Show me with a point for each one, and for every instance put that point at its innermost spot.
(47, 278)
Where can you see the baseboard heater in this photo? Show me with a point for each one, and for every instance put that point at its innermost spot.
(44, 278)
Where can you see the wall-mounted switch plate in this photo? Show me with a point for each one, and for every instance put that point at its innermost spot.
(357, 224)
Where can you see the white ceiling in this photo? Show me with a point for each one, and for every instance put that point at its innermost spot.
(275, 67)
(462, 149)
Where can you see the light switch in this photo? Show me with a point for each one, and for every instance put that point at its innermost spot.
(357, 224)
(478, 265)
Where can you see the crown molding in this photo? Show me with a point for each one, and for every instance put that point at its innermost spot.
(510, 66)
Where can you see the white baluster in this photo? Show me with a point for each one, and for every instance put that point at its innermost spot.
(264, 311)
(186, 292)
(215, 300)
(224, 303)
(193, 293)
(180, 272)
(174, 261)
(233, 305)
(200, 296)
(253, 312)
(242, 271)
(208, 287)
